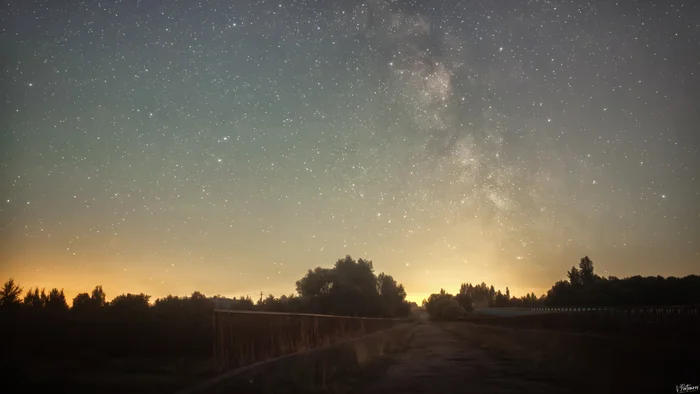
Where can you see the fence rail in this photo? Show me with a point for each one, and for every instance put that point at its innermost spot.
(652, 320)
(246, 337)
(638, 315)
(666, 309)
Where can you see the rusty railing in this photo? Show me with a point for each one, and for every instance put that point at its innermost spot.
(245, 337)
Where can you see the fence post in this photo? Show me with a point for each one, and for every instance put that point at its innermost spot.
(215, 342)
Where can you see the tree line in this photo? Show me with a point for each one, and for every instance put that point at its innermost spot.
(583, 288)
(132, 325)
(349, 288)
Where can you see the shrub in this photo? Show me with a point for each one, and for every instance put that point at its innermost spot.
(449, 309)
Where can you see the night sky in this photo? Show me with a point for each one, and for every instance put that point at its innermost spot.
(228, 146)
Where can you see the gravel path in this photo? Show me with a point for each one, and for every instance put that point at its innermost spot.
(437, 362)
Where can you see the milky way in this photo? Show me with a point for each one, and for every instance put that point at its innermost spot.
(226, 147)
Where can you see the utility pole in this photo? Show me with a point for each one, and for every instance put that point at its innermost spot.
(261, 295)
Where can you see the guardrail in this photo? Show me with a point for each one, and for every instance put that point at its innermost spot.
(246, 337)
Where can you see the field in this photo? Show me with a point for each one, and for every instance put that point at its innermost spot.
(638, 350)
(683, 322)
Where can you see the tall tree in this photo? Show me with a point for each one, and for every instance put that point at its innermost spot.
(33, 299)
(465, 300)
(392, 296)
(98, 296)
(316, 283)
(82, 303)
(44, 297)
(561, 294)
(351, 288)
(132, 305)
(90, 303)
(574, 277)
(586, 271)
(56, 301)
(10, 294)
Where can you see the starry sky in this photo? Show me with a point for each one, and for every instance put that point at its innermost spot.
(228, 146)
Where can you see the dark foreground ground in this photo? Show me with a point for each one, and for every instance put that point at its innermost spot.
(427, 357)
(471, 358)
(439, 362)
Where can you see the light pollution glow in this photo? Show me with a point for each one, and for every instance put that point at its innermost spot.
(227, 148)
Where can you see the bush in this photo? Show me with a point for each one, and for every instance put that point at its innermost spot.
(444, 306)
(465, 301)
(449, 309)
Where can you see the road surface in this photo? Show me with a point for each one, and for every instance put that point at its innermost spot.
(437, 362)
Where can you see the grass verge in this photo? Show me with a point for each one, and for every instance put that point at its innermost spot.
(593, 363)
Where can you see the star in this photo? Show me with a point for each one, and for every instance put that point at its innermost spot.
(424, 139)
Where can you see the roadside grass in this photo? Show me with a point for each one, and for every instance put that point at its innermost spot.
(106, 376)
(590, 363)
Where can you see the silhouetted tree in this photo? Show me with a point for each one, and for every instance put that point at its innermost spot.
(443, 306)
(316, 283)
(33, 299)
(197, 306)
(81, 302)
(44, 298)
(269, 304)
(85, 303)
(98, 296)
(480, 294)
(10, 294)
(529, 301)
(560, 294)
(465, 301)
(430, 304)
(133, 305)
(574, 277)
(585, 288)
(500, 300)
(450, 309)
(56, 302)
(354, 289)
(586, 271)
(286, 303)
(351, 288)
(241, 303)
(392, 295)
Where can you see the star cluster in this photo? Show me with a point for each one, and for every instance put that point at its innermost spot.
(226, 147)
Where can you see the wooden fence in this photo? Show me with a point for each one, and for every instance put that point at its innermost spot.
(245, 337)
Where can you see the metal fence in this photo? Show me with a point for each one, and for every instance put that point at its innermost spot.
(679, 320)
(607, 308)
(647, 315)
(246, 337)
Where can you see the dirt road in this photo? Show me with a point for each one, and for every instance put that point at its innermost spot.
(437, 362)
